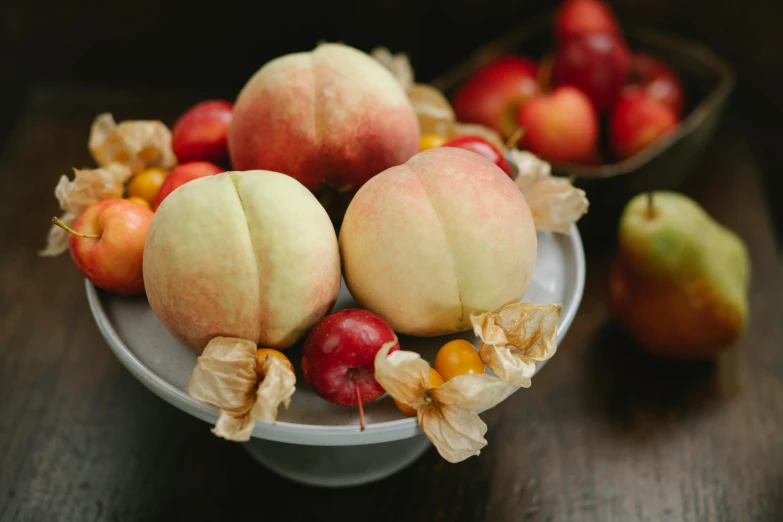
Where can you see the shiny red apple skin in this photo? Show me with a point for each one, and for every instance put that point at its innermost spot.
(596, 64)
(658, 80)
(183, 173)
(482, 147)
(585, 17)
(637, 120)
(341, 347)
(492, 95)
(201, 133)
(113, 261)
(561, 126)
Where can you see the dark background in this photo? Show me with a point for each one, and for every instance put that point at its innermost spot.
(212, 50)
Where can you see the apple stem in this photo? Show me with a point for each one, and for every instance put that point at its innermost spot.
(59, 223)
(650, 208)
(359, 397)
(513, 140)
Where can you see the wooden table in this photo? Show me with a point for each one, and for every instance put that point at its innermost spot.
(605, 433)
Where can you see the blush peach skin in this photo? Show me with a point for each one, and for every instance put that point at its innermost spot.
(333, 117)
(429, 242)
(241, 254)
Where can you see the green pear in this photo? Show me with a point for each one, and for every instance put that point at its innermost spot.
(680, 281)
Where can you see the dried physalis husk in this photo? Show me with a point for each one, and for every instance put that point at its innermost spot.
(226, 376)
(432, 109)
(87, 187)
(90, 186)
(554, 202)
(138, 144)
(517, 338)
(446, 413)
(475, 129)
(398, 64)
(531, 169)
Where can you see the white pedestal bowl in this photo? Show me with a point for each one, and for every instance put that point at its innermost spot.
(316, 442)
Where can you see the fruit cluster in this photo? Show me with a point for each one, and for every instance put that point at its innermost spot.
(438, 231)
(108, 210)
(558, 105)
(242, 264)
(339, 359)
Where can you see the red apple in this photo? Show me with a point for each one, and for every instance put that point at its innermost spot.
(561, 126)
(637, 120)
(482, 147)
(201, 133)
(107, 244)
(585, 17)
(493, 94)
(183, 173)
(596, 64)
(658, 80)
(338, 360)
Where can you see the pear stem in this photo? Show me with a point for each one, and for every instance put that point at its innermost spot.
(359, 397)
(59, 223)
(650, 207)
(513, 140)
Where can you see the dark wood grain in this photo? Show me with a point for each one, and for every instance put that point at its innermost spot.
(606, 433)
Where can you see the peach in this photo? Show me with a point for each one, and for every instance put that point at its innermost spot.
(331, 117)
(427, 243)
(241, 254)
